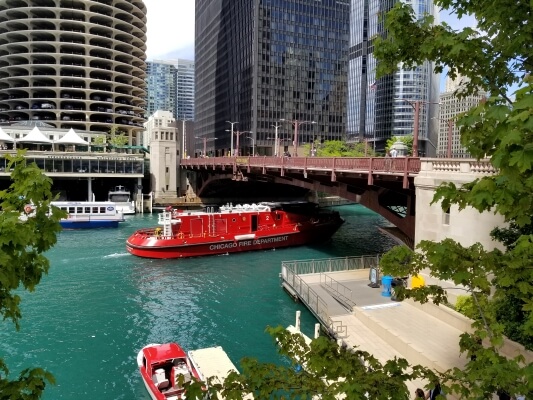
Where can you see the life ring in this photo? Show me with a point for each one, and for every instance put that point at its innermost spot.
(28, 208)
(180, 235)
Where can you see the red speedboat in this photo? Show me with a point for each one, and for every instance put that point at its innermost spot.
(165, 368)
(231, 229)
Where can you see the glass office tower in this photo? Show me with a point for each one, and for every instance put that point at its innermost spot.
(381, 108)
(161, 87)
(171, 88)
(184, 90)
(260, 61)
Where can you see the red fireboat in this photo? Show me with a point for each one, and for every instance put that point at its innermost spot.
(231, 229)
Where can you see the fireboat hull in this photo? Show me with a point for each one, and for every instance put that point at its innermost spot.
(200, 246)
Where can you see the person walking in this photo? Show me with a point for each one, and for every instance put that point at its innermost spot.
(433, 393)
(419, 394)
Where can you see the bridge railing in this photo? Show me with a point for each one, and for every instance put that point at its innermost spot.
(397, 165)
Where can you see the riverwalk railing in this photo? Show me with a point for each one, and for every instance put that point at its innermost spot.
(301, 267)
(342, 293)
(290, 271)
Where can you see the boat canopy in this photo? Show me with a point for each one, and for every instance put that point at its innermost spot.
(163, 352)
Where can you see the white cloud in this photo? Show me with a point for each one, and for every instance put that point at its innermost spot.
(170, 29)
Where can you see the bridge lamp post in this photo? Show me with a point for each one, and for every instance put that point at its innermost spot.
(296, 125)
(232, 123)
(239, 133)
(204, 139)
(276, 141)
(416, 106)
(253, 144)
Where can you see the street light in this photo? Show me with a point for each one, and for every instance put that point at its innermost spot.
(296, 125)
(416, 107)
(232, 123)
(239, 133)
(276, 143)
(253, 145)
(205, 143)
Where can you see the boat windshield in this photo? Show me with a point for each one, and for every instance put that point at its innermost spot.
(117, 198)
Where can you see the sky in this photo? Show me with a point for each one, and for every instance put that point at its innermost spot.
(170, 29)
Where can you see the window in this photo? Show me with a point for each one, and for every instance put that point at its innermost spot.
(446, 217)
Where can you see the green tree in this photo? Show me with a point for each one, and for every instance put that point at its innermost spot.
(24, 236)
(321, 369)
(407, 140)
(494, 56)
(99, 139)
(117, 138)
(339, 148)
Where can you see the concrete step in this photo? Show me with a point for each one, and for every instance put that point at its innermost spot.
(416, 335)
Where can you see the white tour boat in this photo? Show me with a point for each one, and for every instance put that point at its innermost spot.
(122, 198)
(89, 214)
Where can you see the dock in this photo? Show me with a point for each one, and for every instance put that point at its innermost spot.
(352, 312)
(213, 362)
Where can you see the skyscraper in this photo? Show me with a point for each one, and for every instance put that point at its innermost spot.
(171, 88)
(184, 90)
(385, 107)
(449, 139)
(161, 87)
(261, 61)
(76, 65)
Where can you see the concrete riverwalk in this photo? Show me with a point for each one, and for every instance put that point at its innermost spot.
(337, 292)
(359, 315)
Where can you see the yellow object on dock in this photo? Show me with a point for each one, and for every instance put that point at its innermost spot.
(417, 281)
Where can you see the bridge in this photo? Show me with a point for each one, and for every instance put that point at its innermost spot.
(384, 185)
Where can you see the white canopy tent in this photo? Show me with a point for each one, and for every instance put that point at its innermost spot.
(72, 138)
(4, 137)
(35, 136)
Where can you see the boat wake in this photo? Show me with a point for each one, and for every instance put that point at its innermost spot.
(116, 255)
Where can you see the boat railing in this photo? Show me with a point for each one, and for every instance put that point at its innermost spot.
(301, 267)
(244, 207)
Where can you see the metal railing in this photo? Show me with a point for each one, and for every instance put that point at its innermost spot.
(342, 293)
(301, 267)
(315, 304)
(290, 271)
(397, 166)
